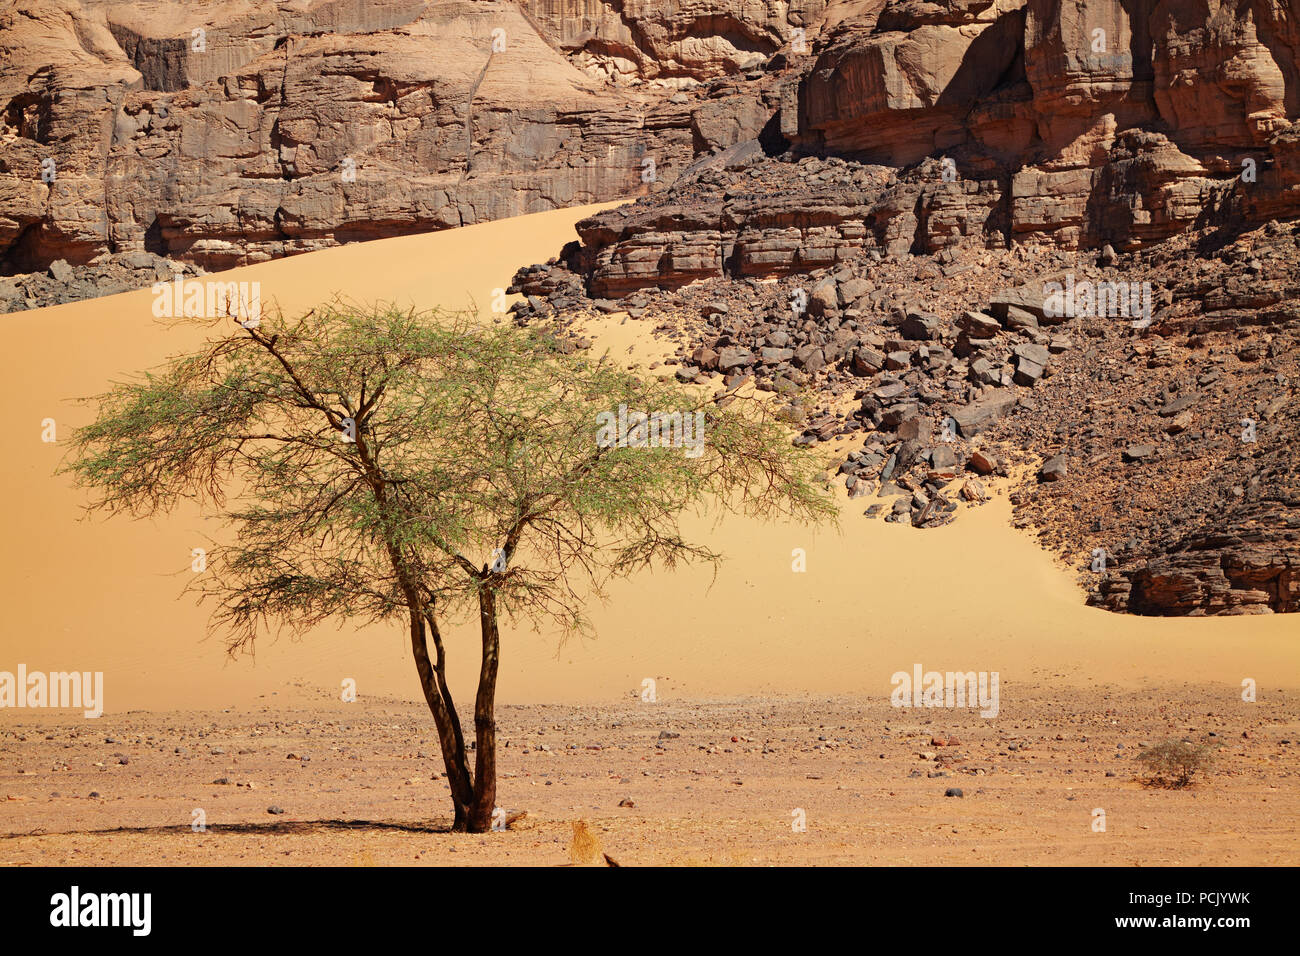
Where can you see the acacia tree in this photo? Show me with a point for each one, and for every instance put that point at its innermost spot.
(379, 464)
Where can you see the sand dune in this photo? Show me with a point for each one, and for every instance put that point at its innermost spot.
(102, 595)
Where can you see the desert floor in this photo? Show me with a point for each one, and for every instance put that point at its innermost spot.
(360, 784)
(764, 653)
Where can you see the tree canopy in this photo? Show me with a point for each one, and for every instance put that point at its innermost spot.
(376, 463)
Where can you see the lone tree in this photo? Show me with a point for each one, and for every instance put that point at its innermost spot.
(375, 463)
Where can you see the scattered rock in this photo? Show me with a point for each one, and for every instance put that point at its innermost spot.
(1054, 469)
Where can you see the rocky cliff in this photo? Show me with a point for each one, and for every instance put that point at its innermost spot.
(1039, 122)
(221, 133)
(1144, 401)
(232, 131)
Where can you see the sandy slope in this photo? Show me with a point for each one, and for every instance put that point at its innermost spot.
(875, 598)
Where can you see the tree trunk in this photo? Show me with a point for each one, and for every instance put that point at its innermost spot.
(485, 727)
(433, 681)
(433, 678)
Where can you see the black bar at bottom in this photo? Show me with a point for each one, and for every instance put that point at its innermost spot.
(334, 905)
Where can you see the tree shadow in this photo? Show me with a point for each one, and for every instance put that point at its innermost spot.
(286, 827)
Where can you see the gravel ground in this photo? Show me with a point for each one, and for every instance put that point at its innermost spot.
(686, 782)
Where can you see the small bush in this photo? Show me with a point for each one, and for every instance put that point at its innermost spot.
(1173, 763)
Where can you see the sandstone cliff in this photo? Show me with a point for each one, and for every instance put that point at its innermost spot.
(232, 131)
(1003, 121)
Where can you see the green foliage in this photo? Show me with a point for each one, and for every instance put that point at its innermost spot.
(469, 439)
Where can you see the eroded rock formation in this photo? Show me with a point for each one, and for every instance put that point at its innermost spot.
(1005, 121)
(226, 133)
(229, 132)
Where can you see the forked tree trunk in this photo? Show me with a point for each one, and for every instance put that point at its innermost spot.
(473, 795)
(485, 726)
(433, 677)
(433, 681)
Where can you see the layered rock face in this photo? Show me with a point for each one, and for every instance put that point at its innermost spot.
(233, 131)
(227, 133)
(739, 213)
(1006, 121)
(681, 42)
(1116, 121)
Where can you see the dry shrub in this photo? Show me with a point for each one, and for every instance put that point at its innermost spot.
(1172, 763)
